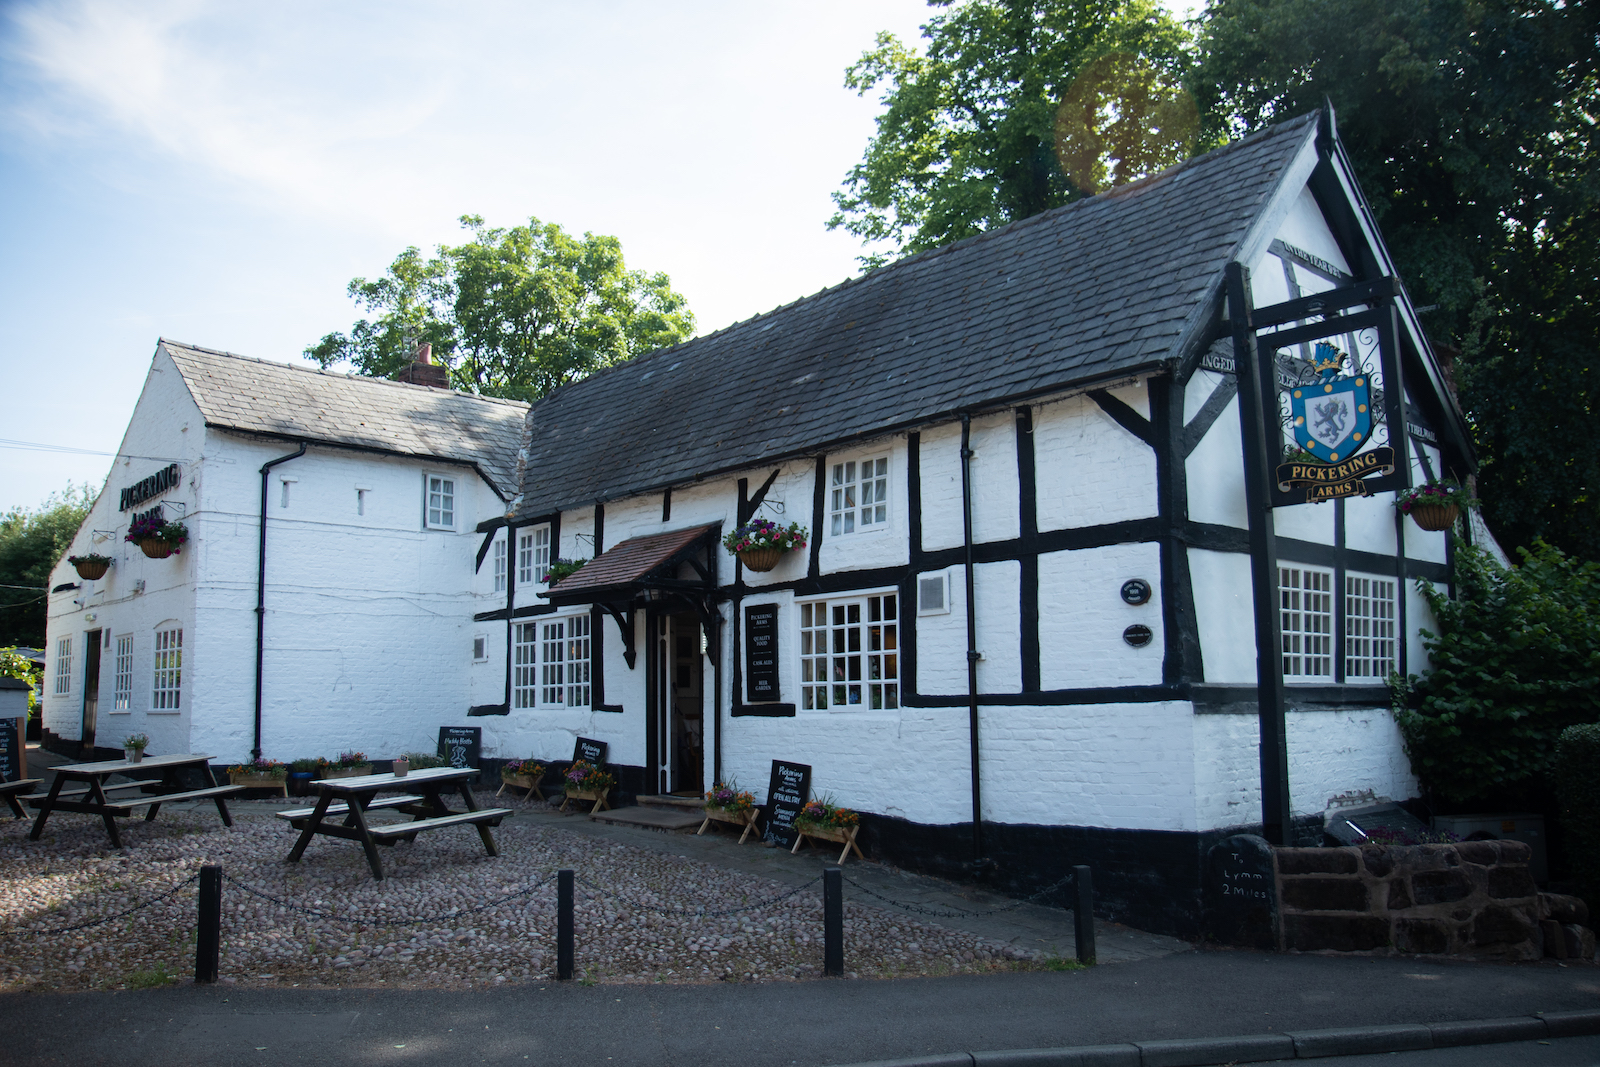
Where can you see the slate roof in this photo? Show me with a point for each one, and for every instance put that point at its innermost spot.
(1084, 292)
(628, 562)
(305, 404)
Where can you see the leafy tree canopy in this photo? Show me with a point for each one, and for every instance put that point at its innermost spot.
(31, 544)
(1014, 107)
(512, 313)
(1472, 128)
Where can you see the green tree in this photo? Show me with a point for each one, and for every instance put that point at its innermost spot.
(514, 312)
(1471, 125)
(1015, 107)
(31, 544)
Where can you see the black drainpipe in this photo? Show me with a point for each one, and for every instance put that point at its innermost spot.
(261, 589)
(972, 641)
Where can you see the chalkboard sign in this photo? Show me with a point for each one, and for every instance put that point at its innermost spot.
(461, 746)
(589, 751)
(11, 749)
(1241, 897)
(760, 652)
(787, 793)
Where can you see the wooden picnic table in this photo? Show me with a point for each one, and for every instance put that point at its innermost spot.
(90, 796)
(421, 799)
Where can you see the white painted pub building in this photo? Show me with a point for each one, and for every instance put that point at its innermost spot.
(1028, 582)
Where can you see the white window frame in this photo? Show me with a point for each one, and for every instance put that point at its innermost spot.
(533, 554)
(498, 552)
(858, 495)
(63, 685)
(439, 500)
(122, 674)
(166, 674)
(1371, 628)
(850, 651)
(552, 662)
(1307, 604)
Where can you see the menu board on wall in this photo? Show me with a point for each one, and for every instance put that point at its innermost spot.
(11, 749)
(760, 652)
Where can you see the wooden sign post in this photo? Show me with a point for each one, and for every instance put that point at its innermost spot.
(787, 793)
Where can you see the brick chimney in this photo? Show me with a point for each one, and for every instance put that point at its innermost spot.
(423, 371)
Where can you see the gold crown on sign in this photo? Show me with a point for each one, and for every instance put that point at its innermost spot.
(1326, 358)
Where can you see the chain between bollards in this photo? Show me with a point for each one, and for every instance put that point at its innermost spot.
(208, 931)
(564, 901)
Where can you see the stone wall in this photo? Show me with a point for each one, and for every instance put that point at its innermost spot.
(1473, 898)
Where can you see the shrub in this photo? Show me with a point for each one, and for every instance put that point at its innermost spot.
(421, 761)
(1516, 661)
(1577, 777)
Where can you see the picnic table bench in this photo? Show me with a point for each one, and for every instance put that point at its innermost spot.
(354, 797)
(166, 789)
(9, 790)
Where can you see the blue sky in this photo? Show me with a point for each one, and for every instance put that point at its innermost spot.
(217, 172)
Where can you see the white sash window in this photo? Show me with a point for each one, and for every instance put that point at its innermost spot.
(858, 495)
(850, 653)
(550, 663)
(1369, 628)
(533, 555)
(122, 688)
(167, 685)
(1305, 596)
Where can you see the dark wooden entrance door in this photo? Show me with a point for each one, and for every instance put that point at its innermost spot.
(91, 688)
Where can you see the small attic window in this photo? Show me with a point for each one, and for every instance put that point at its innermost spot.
(439, 504)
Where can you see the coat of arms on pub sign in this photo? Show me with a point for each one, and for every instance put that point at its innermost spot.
(1332, 415)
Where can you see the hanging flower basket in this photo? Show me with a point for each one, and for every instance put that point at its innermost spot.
(761, 543)
(1435, 517)
(158, 538)
(761, 559)
(90, 567)
(1434, 506)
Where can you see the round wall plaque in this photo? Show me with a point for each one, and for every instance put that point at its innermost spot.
(1138, 636)
(1136, 591)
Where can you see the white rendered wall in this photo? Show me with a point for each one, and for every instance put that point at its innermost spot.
(993, 476)
(1224, 615)
(1090, 471)
(1082, 616)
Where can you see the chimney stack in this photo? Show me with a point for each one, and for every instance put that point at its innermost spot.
(422, 370)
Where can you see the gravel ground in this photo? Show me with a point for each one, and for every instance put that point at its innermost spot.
(483, 920)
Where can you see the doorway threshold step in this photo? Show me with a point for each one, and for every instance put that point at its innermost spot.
(652, 818)
(684, 801)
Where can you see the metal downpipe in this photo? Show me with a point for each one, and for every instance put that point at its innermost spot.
(261, 589)
(972, 641)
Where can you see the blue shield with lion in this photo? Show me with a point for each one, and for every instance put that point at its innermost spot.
(1333, 415)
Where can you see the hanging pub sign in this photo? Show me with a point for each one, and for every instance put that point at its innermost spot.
(1331, 420)
(162, 480)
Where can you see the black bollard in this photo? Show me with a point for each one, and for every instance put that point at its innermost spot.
(833, 922)
(564, 925)
(208, 932)
(1083, 914)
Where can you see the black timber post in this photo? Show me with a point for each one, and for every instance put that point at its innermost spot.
(208, 928)
(832, 923)
(564, 924)
(1083, 914)
(1258, 402)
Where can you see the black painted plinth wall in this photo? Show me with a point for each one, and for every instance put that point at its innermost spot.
(1148, 879)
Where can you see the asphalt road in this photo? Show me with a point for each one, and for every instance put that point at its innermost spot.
(800, 1024)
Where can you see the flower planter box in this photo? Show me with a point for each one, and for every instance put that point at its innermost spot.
(761, 559)
(348, 772)
(745, 819)
(1435, 517)
(596, 795)
(156, 548)
(92, 569)
(845, 835)
(260, 781)
(521, 781)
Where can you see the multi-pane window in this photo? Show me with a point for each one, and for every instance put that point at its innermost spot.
(564, 662)
(850, 653)
(499, 553)
(63, 665)
(122, 687)
(533, 555)
(525, 665)
(858, 495)
(441, 504)
(168, 670)
(550, 663)
(1369, 634)
(1305, 598)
